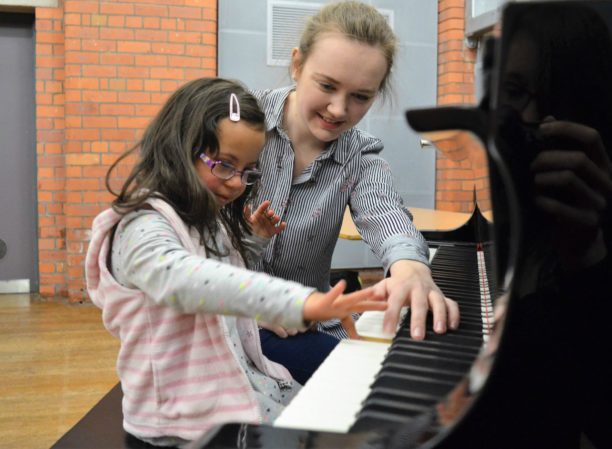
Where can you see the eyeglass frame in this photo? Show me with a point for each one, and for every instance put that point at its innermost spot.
(212, 163)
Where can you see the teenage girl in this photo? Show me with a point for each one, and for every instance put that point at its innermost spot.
(167, 266)
(316, 163)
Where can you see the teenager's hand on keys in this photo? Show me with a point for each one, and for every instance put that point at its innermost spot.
(334, 304)
(411, 284)
(264, 221)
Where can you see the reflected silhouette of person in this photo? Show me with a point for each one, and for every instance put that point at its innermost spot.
(552, 127)
(555, 124)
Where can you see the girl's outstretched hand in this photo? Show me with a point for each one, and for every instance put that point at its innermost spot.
(333, 304)
(264, 221)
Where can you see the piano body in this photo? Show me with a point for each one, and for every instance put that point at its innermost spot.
(528, 366)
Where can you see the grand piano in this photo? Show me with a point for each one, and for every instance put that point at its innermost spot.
(528, 367)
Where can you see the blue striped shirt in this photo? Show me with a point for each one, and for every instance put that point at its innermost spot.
(349, 172)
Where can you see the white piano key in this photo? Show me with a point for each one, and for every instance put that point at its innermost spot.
(332, 397)
(369, 325)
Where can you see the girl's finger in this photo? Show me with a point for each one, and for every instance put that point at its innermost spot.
(364, 306)
(261, 209)
(349, 326)
(335, 291)
(357, 296)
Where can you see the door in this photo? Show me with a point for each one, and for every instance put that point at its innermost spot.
(18, 199)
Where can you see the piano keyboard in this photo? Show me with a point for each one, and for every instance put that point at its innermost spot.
(367, 384)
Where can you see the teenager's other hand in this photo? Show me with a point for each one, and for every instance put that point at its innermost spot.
(264, 221)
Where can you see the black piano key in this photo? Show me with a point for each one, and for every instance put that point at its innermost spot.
(444, 345)
(416, 397)
(401, 409)
(433, 346)
(428, 351)
(432, 361)
(403, 384)
(375, 420)
(445, 375)
(451, 337)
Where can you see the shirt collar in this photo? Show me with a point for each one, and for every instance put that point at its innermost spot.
(274, 118)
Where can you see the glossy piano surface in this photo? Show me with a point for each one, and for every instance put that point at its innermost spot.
(543, 380)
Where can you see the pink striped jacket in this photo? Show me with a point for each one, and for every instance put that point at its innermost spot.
(178, 373)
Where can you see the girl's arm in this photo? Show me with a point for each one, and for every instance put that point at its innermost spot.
(148, 255)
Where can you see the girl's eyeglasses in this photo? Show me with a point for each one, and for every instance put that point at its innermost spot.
(225, 171)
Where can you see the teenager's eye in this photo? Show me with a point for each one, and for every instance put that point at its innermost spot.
(362, 98)
(326, 86)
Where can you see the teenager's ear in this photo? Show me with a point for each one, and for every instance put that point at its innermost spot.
(296, 62)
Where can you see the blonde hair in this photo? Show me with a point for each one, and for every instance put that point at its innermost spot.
(357, 21)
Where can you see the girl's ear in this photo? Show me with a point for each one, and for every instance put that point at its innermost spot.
(296, 62)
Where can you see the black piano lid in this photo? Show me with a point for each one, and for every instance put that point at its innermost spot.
(550, 384)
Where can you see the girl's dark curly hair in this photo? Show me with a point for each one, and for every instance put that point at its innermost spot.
(185, 127)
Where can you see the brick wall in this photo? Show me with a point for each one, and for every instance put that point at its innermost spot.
(456, 180)
(102, 70)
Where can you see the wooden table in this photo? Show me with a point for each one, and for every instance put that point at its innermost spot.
(424, 220)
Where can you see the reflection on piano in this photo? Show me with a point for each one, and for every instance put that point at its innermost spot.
(547, 124)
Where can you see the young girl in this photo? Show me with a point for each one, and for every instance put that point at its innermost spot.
(316, 163)
(166, 265)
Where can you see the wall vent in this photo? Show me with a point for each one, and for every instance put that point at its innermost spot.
(285, 23)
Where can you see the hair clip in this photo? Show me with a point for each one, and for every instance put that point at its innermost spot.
(234, 108)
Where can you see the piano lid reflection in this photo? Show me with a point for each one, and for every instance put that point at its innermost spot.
(547, 124)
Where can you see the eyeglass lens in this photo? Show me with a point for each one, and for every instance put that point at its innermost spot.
(226, 171)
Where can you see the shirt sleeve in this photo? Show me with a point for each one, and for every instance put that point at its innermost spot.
(148, 255)
(255, 245)
(383, 221)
